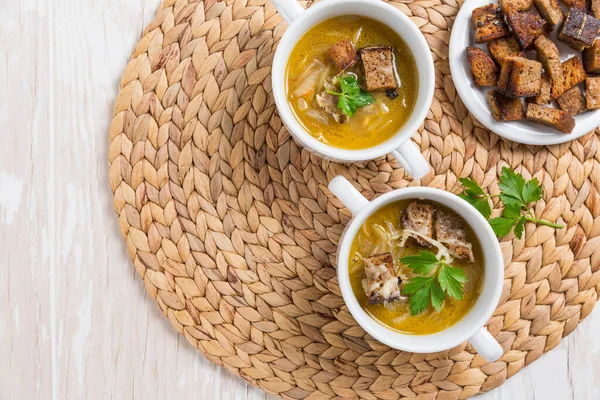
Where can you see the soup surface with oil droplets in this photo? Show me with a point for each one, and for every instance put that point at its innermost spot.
(373, 238)
(310, 67)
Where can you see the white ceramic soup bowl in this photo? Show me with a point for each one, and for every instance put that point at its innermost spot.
(471, 326)
(399, 145)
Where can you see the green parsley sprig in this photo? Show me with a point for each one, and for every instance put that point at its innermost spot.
(475, 195)
(438, 280)
(516, 194)
(352, 97)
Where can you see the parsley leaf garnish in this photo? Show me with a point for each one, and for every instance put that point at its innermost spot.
(437, 296)
(451, 280)
(352, 97)
(475, 196)
(423, 263)
(441, 280)
(471, 187)
(511, 216)
(515, 194)
(420, 291)
(515, 191)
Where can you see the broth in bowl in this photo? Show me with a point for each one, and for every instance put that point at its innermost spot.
(352, 82)
(416, 267)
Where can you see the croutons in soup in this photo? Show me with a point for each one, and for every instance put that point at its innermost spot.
(352, 82)
(416, 267)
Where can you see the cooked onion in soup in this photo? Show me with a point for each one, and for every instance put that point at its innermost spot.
(352, 82)
(414, 228)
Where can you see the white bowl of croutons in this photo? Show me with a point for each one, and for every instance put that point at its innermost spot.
(529, 70)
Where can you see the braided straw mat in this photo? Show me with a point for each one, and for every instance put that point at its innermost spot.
(231, 226)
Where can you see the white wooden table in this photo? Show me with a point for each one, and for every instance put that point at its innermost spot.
(76, 322)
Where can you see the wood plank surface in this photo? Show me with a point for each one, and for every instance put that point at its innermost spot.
(76, 322)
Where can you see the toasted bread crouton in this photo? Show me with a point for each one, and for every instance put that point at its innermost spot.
(591, 58)
(527, 26)
(418, 217)
(592, 93)
(378, 63)
(545, 95)
(504, 108)
(572, 101)
(381, 284)
(485, 71)
(579, 4)
(573, 72)
(550, 10)
(488, 23)
(343, 54)
(520, 77)
(579, 30)
(551, 117)
(450, 230)
(504, 47)
(549, 56)
(516, 5)
(595, 8)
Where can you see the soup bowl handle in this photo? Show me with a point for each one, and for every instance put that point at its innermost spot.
(288, 9)
(411, 159)
(347, 194)
(485, 344)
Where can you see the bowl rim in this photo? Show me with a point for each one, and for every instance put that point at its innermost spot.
(414, 39)
(471, 323)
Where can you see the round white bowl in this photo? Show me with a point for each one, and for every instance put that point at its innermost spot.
(399, 145)
(475, 98)
(471, 326)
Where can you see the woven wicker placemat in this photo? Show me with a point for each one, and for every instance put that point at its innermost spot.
(233, 231)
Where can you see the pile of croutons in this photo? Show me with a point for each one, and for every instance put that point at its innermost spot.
(516, 26)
